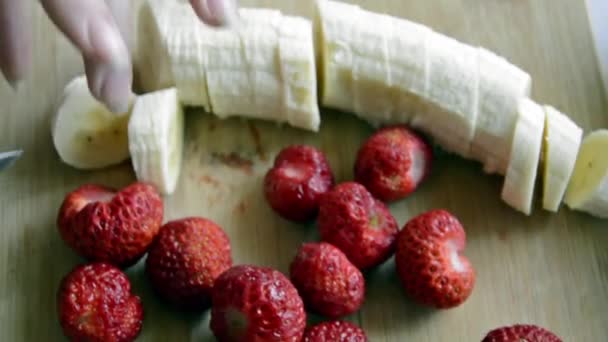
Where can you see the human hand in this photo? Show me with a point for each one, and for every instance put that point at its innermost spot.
(98, 29)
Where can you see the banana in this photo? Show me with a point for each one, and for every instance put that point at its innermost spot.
(156, 138)
(501, 85)
(263, 69)
(520, 178)
(86, 135)
(561, 144)
(588, 187)
(451, 93)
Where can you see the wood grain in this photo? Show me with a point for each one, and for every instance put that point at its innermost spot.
(547, 269)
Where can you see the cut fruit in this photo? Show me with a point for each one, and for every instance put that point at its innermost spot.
(562, 141)
(85, 133)
(588, 187)
(520, 178)
(264, 68)
(501, 85)
(156, 139)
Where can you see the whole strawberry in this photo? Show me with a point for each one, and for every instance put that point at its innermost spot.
(329, 284)
(185, 259)
(293, 186)
(358, 224)
(335, 331)
(429, 263)
(393, 162)
(521, 333)
(253, 303)
(101, 224)
(95, 304)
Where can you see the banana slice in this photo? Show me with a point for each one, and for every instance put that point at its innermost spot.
(518, 188)
(452, 94)
(156, 138)
(562, 141)
(246, 71)
(85, 133)
(588, 187)
(501, 85)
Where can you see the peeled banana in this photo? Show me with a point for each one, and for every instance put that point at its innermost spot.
(561, 144)
(86, 135)
(588, 187)
(156, 139)
(264, 69)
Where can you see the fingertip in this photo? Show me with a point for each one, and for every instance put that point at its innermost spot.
(111, 85)
(217, 12)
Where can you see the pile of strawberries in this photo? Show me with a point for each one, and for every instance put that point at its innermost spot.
(189, 262)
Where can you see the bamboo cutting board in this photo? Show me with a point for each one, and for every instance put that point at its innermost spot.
(547, 269)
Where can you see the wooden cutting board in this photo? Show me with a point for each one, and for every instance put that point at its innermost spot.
(547, 269)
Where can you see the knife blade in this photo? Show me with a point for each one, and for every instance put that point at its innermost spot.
(8, 158)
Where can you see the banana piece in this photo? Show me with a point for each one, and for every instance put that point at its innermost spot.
(156, 138)
(588, 187)
(561, 144)
(261, 69)
(86, 135)
(452, 94)
(520, 178)
(501, 85)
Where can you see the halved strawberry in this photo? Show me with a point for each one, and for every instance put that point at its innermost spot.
(293, 186)
(101, 224)
(521, 333)
(335, 331)
(429, 263)
(393, 162)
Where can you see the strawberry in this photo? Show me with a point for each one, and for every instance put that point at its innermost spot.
(429, 263)
(253, 303)
(329, 284)
(521, 333)
(393, 162)
(335, 331)
(101, 224)
(185, 259)
(95, 303)
(358, 224)
(293, 186)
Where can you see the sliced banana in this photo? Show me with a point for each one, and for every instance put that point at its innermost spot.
(501, 85)
(561, 144)
(588, 187)
(452, 94)
(520, 178)
(156, 139)
(85, 133)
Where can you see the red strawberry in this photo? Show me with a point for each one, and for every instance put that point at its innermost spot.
(95, 304)
(361, 226)
(329, 284)
(393, 162)
(336, 331)
(253, 303)
(521, 333)
(429, 263)
(116, 227)
(293, 186)
(185, 259)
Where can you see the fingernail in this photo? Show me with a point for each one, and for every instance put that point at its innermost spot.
(116, 92)
(222, 12)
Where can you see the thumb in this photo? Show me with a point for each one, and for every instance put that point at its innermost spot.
(216, 12)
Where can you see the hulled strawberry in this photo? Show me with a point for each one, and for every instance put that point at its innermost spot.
(185, 259)
(429, 263)
(101, 224)
(351, 219)
(335, 331)
(95, 303)
(328, 282)
(521, 333)
(393, 162)
(253, 303)
(293, 186)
